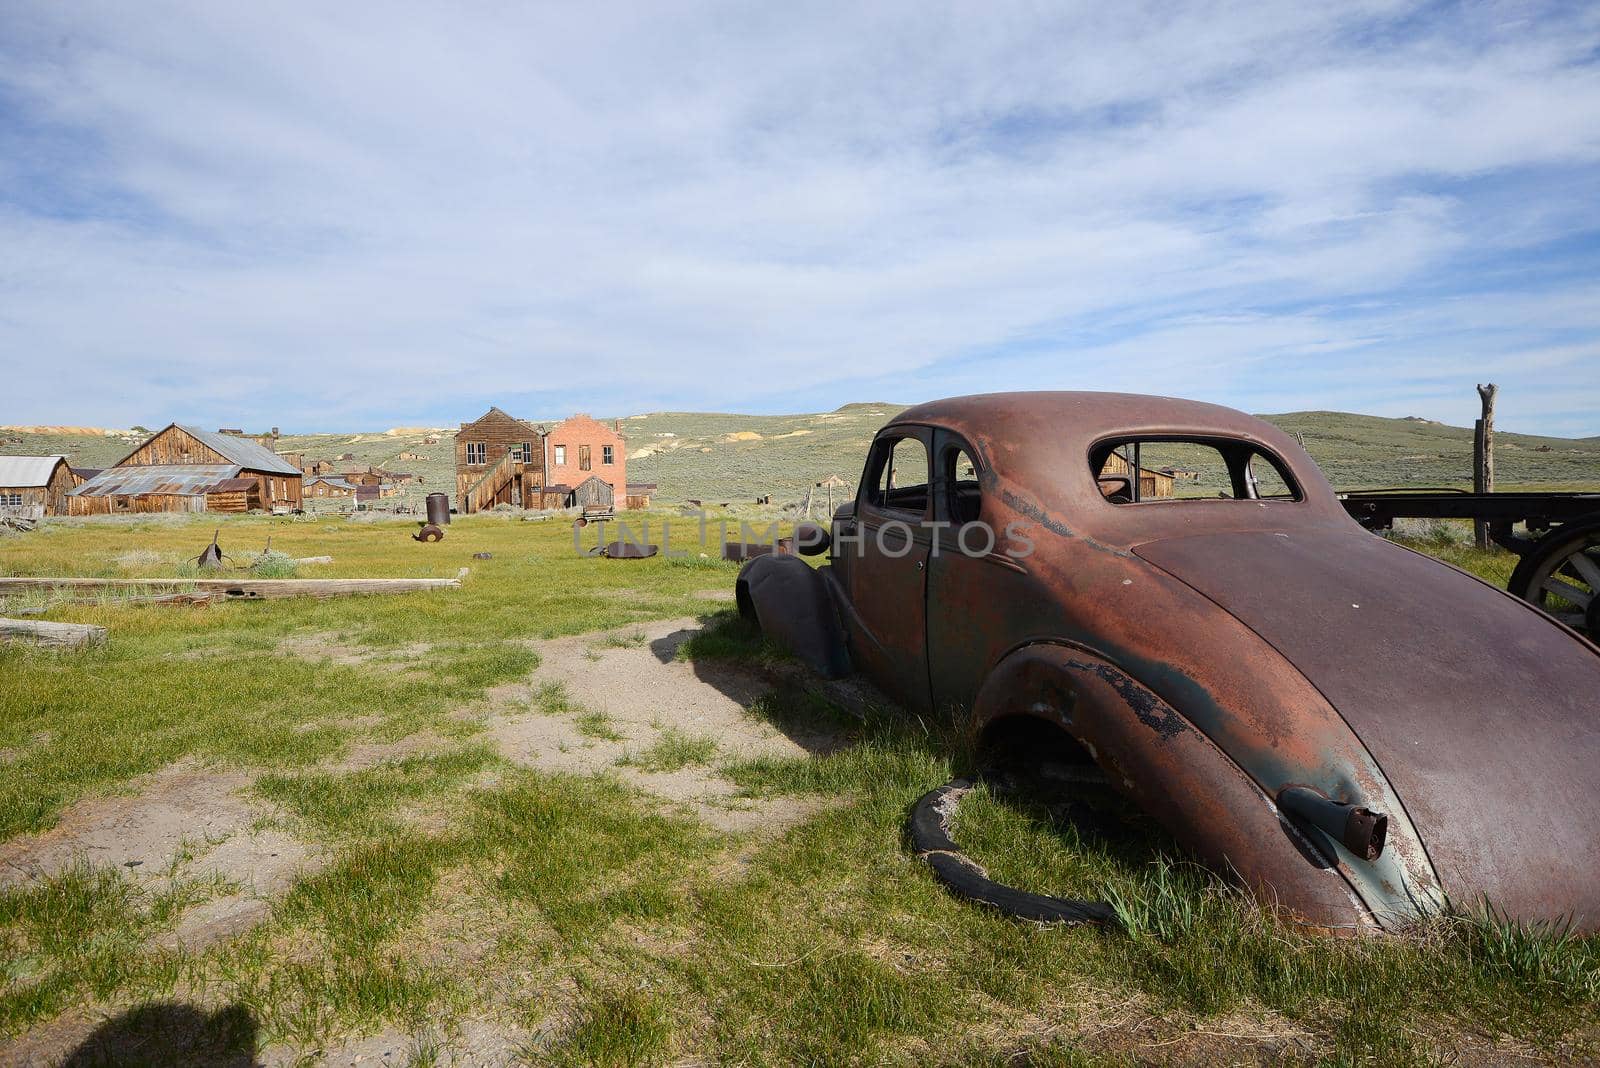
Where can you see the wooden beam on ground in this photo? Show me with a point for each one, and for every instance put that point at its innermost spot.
(314, 560)
(51, 635)
(242, 588)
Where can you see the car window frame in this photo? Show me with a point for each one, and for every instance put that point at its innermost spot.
(944, 442)
(1243, 449)
(877, 457)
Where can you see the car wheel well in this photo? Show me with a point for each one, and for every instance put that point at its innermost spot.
(1031, 739)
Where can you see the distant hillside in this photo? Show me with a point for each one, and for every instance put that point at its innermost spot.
(722, 457)
(739, 457)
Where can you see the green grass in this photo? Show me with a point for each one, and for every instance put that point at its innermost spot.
(593, 724)
(673, 750)
(600, 924)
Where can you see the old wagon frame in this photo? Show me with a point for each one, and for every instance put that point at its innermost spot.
(1559, 569)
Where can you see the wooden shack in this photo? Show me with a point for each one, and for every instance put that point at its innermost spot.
(326, 487)
(1152, 484)
(35, 486)
(186, 469)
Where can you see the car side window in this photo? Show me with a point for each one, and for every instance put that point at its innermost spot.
(960, 474)
(900, 479)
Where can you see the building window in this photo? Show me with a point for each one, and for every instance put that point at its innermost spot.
(476, 451)
(606, 455)
(583, 457)
(561, 455)
(527, 452)
(11, 500)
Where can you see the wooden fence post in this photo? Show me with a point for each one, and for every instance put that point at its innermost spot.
(1483, 458)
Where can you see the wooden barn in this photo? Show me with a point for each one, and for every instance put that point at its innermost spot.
(35, 486)
(186, 469)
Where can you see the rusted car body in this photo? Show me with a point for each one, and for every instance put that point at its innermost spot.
(1227, 661)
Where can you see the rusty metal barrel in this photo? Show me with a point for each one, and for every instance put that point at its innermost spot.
(438, 509)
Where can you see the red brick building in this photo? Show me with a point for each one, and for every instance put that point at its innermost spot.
(589, 459)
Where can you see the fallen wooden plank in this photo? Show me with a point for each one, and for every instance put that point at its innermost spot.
(51, 635)
(314, 560)
(195, 597)
(241, 588)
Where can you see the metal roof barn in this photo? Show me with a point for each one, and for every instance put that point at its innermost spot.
(241, 451)
(27, 470)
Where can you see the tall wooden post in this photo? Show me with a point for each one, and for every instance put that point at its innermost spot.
(809, 491)
(1483, 458)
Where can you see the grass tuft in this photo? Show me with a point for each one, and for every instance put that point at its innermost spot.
(616, 1028)
(673, 750)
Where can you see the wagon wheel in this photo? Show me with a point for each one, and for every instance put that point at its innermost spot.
(1561, 574)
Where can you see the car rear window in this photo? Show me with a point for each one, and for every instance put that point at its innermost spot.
(1175, 469)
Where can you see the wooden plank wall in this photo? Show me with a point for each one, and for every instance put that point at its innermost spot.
(173, 446)
(499, 434)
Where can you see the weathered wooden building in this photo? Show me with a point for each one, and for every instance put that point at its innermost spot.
(35, 486)
(499, 460)
(639, 494)
(186, 469)
(326, 487)
(1152, 484)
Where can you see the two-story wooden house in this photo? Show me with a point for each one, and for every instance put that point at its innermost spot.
(499, 460)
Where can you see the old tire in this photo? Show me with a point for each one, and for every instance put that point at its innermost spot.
(929, 832)
(1567, 559)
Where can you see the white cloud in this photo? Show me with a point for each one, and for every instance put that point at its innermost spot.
(328, 214)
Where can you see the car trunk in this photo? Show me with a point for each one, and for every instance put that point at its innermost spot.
(1484, 715)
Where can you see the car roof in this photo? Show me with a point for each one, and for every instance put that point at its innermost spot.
(1084, 416)
(1038, 445)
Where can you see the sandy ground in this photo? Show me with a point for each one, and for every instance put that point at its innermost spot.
(643, 690)
(189, 821)
(184, 820)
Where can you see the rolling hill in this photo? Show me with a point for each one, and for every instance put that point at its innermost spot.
(732, 458)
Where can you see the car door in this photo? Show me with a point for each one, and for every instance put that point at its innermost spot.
(976, 603)
(889, 560)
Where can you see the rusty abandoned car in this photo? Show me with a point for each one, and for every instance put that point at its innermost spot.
(1358, 732)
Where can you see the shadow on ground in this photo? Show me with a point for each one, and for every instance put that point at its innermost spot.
(170, 1033)
(728, 657)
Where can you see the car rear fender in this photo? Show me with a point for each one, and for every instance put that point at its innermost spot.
(1157, 758)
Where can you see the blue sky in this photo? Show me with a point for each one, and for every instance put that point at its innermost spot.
(358, 215)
